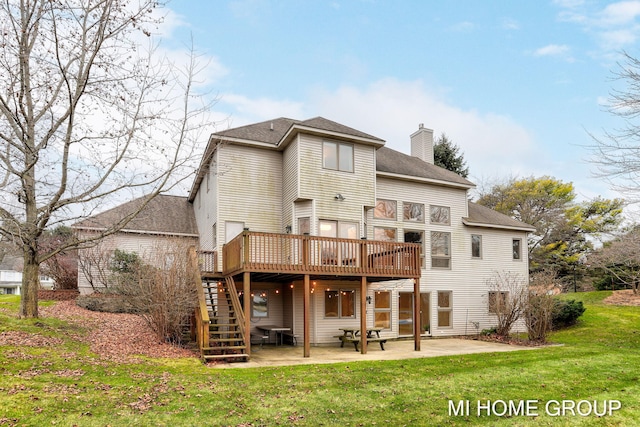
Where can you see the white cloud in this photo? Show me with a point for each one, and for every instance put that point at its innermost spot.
(250, 110)
(464, 26)
(391, 109)
(552, 50)
(620, 13)
(510, 24)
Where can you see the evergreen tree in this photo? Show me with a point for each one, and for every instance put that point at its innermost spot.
(446, 154)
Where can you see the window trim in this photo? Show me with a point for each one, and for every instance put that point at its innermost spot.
(266, 296)
(395, 231)
(384, 309)
(419, 221)
(431, 221)
(491, 307)
(384, 218)
(339, 313)
(444, 309)
(441, 257)
(479, 256)
(513, 251)
(338, 145)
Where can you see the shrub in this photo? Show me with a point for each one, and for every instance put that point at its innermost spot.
(566, 313)
(539, 308)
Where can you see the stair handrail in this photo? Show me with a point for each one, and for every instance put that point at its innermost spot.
(201, 314)
(237, 307)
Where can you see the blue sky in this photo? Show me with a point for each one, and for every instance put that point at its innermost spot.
(517, 85)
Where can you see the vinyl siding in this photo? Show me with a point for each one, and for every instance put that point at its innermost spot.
(205, 207)
(290, 182)
(322, 185)
(251, 189)
(142, 244)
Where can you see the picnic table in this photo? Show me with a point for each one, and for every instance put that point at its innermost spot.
(352, 335)
(277, 330)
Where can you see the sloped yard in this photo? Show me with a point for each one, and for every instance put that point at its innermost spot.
(74, 372)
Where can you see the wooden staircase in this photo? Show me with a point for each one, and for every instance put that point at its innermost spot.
(227, 340)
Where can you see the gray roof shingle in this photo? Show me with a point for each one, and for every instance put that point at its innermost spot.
(392, 161)
(163, 214)
(482, 216)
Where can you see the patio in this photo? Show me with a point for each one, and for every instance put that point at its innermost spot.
(394, 350)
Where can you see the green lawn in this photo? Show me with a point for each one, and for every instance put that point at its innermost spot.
(65, 384)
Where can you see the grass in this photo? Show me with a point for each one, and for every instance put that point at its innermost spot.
(68, 385)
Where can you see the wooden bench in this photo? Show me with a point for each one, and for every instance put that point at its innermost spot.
(356, 341)
(293, 337)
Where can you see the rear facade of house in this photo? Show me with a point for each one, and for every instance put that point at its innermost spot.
(306, 202)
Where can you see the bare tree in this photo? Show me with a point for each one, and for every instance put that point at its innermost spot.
(616, 154)
(95, 264)
(507, 299)
(156, 286)
(621, 259)
(538, 312)
(88, 117)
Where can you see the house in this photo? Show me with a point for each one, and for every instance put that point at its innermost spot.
(322, 227)
(163, 220)
(11, 275)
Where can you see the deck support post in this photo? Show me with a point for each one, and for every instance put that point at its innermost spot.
(417, 314)
(306, 299)
(363, 315)
(246, 288)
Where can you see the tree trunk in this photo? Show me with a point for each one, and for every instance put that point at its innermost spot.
(30, 285)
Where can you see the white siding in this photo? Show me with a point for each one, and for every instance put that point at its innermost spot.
(250, 191)
(205, 206)
(142, 244)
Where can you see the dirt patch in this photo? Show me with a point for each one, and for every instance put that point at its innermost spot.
(624, 297)
(115, 336)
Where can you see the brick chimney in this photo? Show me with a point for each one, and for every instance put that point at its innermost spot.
(422, 144)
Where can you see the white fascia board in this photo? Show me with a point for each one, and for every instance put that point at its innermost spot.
(157, 233)
(337, 135)
(424, 180)
(497, 226)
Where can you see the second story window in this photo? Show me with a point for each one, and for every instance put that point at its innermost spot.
(384, 234)
(385, 209)
(516, 243)
(476, 246)
(440, 249)
(440, 215)
(413, 212)
(337, 156)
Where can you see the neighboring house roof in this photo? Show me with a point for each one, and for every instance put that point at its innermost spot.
(164, 214)
(11, 263)
(481, 216)
(397, 163)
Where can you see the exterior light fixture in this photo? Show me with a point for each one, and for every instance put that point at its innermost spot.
(339, 197)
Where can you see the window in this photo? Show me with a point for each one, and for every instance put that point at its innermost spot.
(440, 249)
(385, 209)
(382, 310)
(337, 156)
(415, 237)
(440, 215)
(260, 304)
(214, 235)
(444, 309)
(413, 212)
(340, 304)
(384, 234)
(497, 301)
(476, 246)
(516, 245)
(304, 225)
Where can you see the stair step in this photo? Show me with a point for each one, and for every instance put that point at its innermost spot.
(221, 340)
(224, 348)
(242, 356)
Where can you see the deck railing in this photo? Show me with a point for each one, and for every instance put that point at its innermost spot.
(303, 254)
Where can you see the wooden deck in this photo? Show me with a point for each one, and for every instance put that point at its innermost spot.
(291, 254)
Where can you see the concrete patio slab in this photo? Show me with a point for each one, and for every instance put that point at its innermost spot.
(394, 350)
